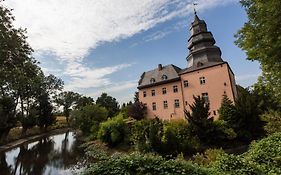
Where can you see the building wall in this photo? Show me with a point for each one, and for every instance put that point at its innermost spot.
(171, 112)
(217, 82)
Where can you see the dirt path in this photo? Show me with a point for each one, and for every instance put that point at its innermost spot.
(19, 142)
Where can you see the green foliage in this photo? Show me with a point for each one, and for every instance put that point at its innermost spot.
(273, 121)
(67, 100)
(263, 157)
(88, 119)
(247, 123)
(200, 122)
(208, 157)
(260, 38)
(227, 111)
(109, 103)
(147, 134)
(176, 138)
(139, 164)
(166, 138)
(113, 131)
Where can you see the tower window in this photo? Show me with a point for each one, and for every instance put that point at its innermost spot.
(215, 113)
(185, 83)
(205, 96)
(152, 92)
(177, 103)
(164, 91)
(165, 104)
(144, 93)
(154, 106)
(164, 77)
(175, 88)
(202, 80)
(152, 80)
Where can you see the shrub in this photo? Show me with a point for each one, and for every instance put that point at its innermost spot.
(208, 157)
(143, 164)
(88, 118)
(273, 121)
(113, 131)
(176, 138)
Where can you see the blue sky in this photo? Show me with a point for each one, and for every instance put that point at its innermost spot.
(104, 46)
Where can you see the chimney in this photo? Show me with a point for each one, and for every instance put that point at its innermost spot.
(160, 67)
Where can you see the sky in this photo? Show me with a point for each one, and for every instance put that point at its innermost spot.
(98, 46)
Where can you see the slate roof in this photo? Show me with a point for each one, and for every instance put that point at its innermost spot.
(171, 71)
(205, 65)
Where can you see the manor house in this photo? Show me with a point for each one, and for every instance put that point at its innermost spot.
(168, 90)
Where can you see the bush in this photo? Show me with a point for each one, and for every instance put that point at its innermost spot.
(209, 157)
(166, 138)
(147, 134)
(143, 164)
(88, 118)
(137, 110)
(263, 157)
(176, 138)
(273, 121)
(113, 131)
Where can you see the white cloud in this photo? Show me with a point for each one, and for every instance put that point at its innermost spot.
(83, 77)
(70, 28)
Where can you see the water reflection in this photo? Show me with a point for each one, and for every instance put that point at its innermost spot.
(51, 155)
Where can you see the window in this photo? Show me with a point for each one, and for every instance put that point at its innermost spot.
(185, 83)
(145, 105)
(202, 80)
(177, 103)
(205, 97)
(152, 92)
(144, 93)
(214, 112)
(186, 103)
(175, 88)
(152, 80)
(154, 106)
(164, 77)
(164, 91)
(165, 104)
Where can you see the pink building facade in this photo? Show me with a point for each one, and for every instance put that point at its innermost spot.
(168, 90)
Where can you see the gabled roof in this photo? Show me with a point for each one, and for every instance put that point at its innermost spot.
(171, 71)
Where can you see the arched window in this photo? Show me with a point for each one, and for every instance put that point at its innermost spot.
(164, 77)
(152, 80)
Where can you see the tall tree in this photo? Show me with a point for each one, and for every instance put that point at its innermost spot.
(109, 103)
(67, 100)
(199, 120)
(15, 61)
(260, 37)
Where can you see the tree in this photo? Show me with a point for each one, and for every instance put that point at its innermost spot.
(200, 122)
(88, 118)
(84, 101)
(247, 123)
(15, 61)
(137, 110)
(109, 103)
(67, 100)
(260, 38)
(227, 111)
(45, 112)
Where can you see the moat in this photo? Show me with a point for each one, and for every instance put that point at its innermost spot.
(55, 155)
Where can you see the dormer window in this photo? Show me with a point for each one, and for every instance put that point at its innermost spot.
(199, 64)
(164, 77)
(152, 80)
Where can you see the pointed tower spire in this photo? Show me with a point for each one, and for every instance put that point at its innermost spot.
(201, 45)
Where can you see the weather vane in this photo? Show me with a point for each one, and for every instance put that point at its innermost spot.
(194, 7)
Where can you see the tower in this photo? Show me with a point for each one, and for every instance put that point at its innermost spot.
(201, 45)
